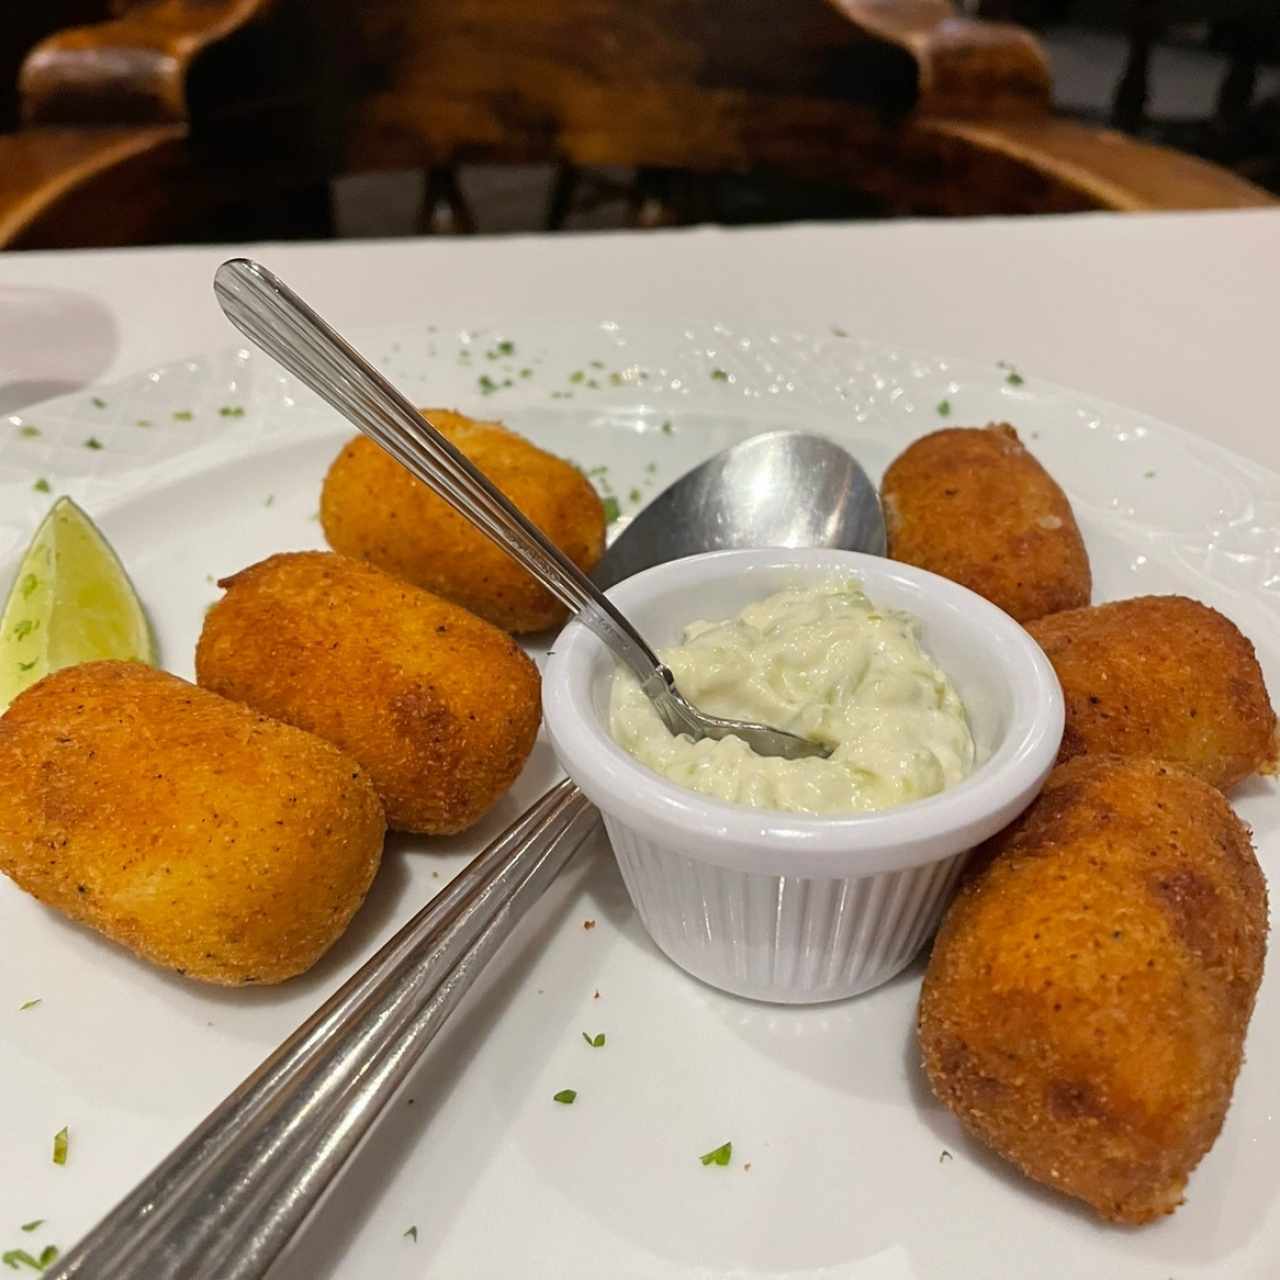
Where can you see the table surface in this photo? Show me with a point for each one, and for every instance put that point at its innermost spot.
(1172, 314)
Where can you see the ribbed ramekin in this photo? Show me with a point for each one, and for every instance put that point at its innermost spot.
(779, 906)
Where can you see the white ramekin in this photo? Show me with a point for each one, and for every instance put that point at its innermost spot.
(773, 905)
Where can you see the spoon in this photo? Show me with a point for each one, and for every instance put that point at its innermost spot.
(230, 1197)
(271, 315)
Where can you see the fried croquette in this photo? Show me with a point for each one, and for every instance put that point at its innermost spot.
(1085, 1006)
(373, 509)
(1165, 678)
(202, 836)
(440, 707)
(973, 505)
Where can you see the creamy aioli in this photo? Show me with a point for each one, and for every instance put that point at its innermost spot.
(823, 662)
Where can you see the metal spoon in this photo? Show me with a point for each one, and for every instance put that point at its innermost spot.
(230, 1197)
(270, 314)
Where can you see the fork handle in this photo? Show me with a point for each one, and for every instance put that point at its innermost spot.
(276, 319)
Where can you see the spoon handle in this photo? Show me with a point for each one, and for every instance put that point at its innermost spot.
(273, 317)
(228, 1200)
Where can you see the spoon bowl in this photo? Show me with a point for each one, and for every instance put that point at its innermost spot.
(780, 489)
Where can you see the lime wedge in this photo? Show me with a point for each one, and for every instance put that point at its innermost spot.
(70, 602)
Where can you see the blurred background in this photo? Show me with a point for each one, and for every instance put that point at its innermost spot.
(169, 121)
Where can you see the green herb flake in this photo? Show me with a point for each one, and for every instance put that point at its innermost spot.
(1148, 475)
(596, 1041)
(93, 443)
(487, 385)
(944, 1156)
(667, 428)
(839, 332)
(42, 486)
(28, 432)
(506, 347)
(23, 629)
(98, 402)
(1014, 378)
(231, 411)
(29, 583)
(650, 468)
(20, 1257)
(596, 364)
(526, 373)
(565, 1095)
(26, 666)
(944, 408)
(269, 500)
(34, 1225)
(721, 1155)
(577, 376)
(182, 415)
(412, 1234)
(611, 510)
(615, 379)
(47, 1255)
(635, 495)
(143, 422)
(593, 384)
(22, 1008)
(60, 1140)
(719, 375)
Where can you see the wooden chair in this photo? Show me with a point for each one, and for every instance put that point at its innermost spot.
(166, 120)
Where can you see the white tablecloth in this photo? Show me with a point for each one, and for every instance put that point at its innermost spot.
(1172, 314)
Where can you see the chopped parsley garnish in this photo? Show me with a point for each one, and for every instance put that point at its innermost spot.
(20, 1257)
(143, 422)
(526, 373)
(593, 384)
(269, 500)
(838, 332)
(635, 495)
(26, 666)
(22, 1008)
(615, 379)
(650, 468)
(596, 364)
(98, 402)
(596, 1041)
(1014, 378)
(577, 376)
(719, 375)
(93, 443)
(611, 510)
(23, 629)
(182, 415)
(28, 432)
(29, 583)
(506, 348)
(42, 486)
(666, 427)
(47, 1255)
(721, 1155)
(60, 1140)
(565, 1095)
(412, 1234)
(1148, 475)
(944, 408)
(487, 384)
(34, 1225)
(231, 411)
